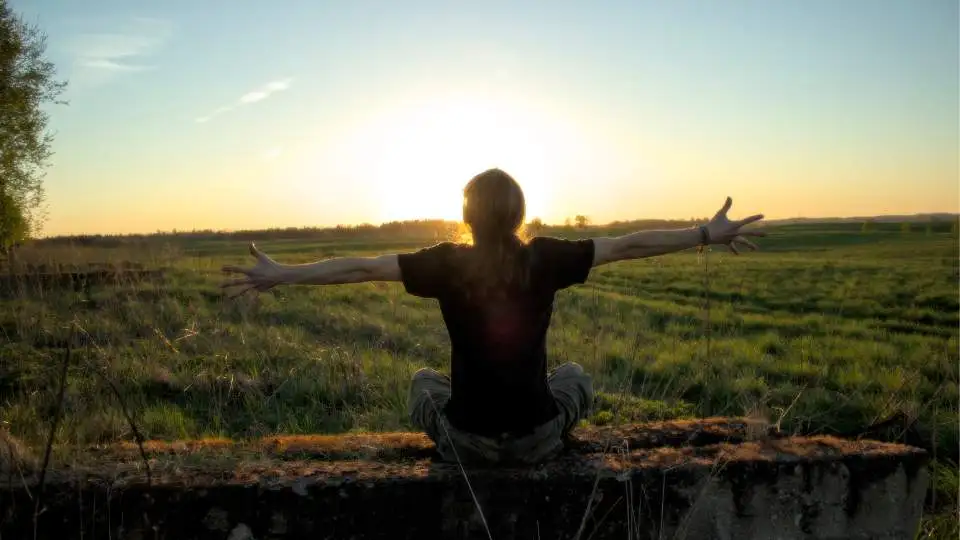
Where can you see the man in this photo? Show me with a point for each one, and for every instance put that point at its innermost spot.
(496, 296)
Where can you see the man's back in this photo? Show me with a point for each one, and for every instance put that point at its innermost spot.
(498, 336)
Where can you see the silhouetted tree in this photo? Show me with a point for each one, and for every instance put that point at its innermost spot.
(535, 226)
(26, 83)
(582, 221)
(867, 226)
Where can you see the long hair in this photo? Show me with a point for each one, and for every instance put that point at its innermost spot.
(493, 210)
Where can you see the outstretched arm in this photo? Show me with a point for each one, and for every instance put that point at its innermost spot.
(267, 273)
(719, 230)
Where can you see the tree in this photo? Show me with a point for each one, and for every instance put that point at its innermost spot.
(535, 226)
(26, 84)
(867, 226)
(905, 227)
(582, 221)
(13, 224)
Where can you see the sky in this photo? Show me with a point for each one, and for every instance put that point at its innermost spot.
(236, 115)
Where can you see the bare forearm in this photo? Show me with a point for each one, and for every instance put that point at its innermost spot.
(660, 242)
(331, 271)
(643, 244)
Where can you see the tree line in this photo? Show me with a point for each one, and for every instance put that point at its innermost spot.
(413, 230)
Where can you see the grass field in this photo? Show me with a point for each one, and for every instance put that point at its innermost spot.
(828, 329)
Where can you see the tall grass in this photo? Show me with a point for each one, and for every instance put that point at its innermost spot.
(827, 331)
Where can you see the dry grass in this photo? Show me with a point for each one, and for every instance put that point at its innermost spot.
(826, 331)
(14, 455)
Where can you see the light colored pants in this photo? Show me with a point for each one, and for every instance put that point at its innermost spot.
(430, 391)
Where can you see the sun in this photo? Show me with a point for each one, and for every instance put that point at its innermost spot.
(424, 153)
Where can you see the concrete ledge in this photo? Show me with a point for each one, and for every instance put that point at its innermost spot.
(701, 479)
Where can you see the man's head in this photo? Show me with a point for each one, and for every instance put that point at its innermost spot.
(493, 206)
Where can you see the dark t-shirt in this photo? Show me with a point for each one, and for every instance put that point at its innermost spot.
(498, 342)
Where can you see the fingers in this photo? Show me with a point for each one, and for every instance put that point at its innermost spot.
(245, 284)
(259, 255)
(244, 288)
(230, 269)
(726, 207)
(749, 220)
(739, 241)
(241, 292)
(743, 241)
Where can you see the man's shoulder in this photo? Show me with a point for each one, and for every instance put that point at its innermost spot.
(442, 254)
(553, 242)
(439, 248)
(427, 271)
(564, 262)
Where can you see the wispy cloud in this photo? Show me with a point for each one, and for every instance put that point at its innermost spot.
(249, 98)
(127, 47)
(272, 153)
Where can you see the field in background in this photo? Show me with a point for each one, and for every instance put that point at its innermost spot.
(831, 328)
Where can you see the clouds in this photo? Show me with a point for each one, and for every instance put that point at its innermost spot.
(263, 93)
(127, 47)
(272, 153)
(251, 97)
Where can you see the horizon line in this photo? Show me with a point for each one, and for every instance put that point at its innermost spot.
(175, 231)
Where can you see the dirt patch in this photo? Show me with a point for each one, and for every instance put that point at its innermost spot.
(402, 456)
(672, 433)
(221, 465)
(388, 485)
(405, 446)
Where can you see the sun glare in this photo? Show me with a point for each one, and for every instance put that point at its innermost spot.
(422, 155)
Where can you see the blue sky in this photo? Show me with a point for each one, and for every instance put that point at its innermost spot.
(230, 115)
